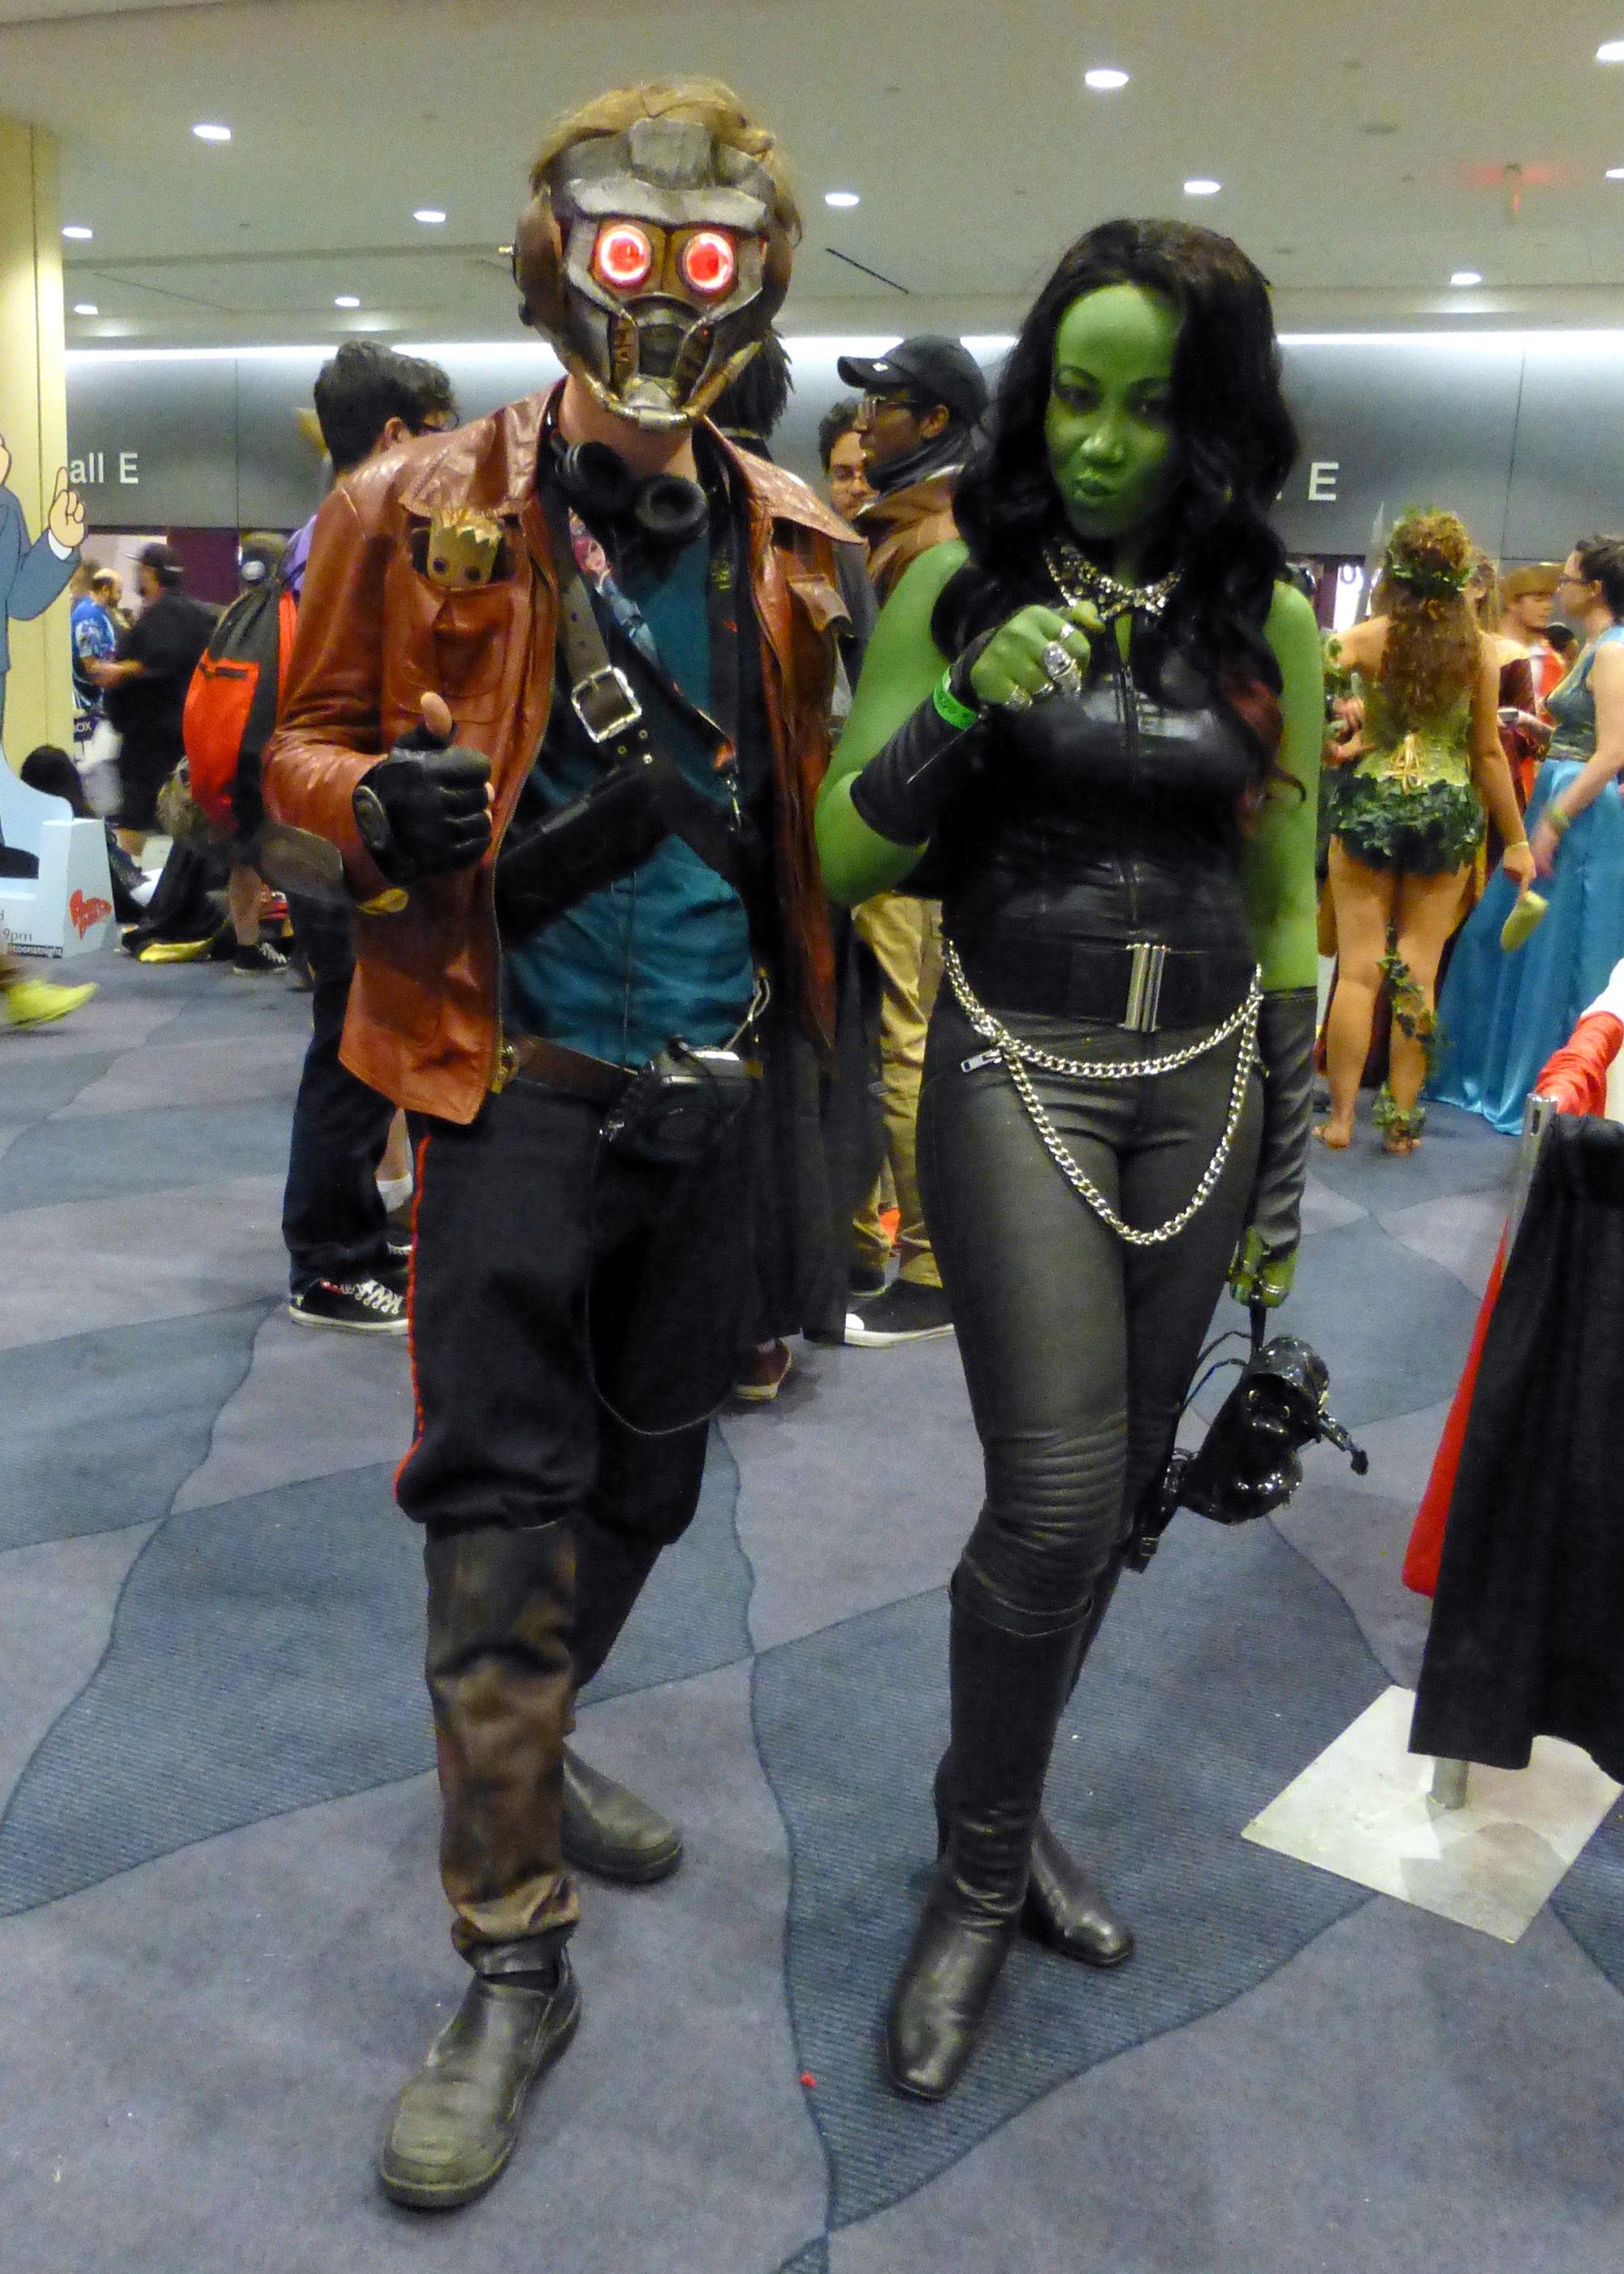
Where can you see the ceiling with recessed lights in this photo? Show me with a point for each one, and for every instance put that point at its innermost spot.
(1365, 152)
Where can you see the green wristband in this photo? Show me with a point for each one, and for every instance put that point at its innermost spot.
(949, 707)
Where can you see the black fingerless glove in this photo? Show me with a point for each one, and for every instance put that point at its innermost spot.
(611, 829)
(422, 810)
(906, 787)
(1287, 1025)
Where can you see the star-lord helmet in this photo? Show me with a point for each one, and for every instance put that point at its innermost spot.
(655, 259)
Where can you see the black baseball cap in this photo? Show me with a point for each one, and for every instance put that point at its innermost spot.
(931, 367)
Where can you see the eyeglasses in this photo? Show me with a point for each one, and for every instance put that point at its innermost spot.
(872, 405)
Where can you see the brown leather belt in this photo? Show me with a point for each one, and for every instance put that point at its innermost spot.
(530, 1058)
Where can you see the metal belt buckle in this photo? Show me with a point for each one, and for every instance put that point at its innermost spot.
(1147, 965)
(604, 704)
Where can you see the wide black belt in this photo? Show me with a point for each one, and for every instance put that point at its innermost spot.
(1142, 986)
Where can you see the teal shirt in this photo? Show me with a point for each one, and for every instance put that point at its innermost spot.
(666, 951)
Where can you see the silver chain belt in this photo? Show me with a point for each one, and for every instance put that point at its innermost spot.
(1018, 1056)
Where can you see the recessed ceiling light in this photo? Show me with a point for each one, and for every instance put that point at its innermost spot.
(1610, 51)
(841, 197)
(346, 300)
(1202, 186)
(78, 231)
(86, 308)
(206, 133)
(1615, 173)
(430, 215)
(1105, 81)
(1464, 277)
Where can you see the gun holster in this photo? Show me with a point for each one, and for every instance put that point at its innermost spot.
(578, 848)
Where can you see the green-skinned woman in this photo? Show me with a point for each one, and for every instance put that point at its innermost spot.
(1103, 710)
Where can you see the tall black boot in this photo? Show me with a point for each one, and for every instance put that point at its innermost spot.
(609, 1830)
(1007, 1692)
(1066, 1907)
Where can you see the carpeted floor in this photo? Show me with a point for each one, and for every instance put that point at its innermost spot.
(222, 1943)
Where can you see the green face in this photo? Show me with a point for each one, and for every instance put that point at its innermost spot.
(1109, 422)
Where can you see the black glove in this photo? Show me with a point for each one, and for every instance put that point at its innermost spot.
(579, 847)
(1287, 1024)
(906, 788)
(422, 810)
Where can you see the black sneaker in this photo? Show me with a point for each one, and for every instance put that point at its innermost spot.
(865, 1280)
(366, 1306)
(256, 961)
(396, 1271)
(905, 1313)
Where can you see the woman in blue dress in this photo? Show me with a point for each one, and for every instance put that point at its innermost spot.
(1500, 1015)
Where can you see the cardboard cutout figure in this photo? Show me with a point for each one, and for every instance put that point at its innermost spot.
(32, 576)
(63, 904)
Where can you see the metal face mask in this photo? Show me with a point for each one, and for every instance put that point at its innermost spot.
(659, 269)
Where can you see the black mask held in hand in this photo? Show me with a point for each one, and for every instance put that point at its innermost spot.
(423, 811)
(1247, 1466)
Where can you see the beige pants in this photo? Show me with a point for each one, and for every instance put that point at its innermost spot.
(906, 936)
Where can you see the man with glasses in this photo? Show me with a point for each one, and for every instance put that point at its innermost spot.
(920, 403)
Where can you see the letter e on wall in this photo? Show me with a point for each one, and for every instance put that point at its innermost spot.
(130, 471)
(1322, 474)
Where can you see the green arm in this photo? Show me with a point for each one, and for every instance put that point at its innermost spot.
(902, 666)
(1277, 861)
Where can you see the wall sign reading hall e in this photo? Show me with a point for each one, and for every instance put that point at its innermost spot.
(90, 472)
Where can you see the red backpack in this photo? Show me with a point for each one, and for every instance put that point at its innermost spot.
(232, 703)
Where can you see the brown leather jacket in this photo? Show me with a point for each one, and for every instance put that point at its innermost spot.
(375, 635)
(898, 528)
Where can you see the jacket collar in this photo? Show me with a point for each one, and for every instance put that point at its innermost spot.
(490, 465)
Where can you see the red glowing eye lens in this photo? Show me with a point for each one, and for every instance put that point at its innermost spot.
(623, 256)
(708, 262)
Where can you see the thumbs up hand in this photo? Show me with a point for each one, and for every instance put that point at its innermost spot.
(425, 810)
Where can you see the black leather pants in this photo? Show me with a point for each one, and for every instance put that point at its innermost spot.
(1077, 1348)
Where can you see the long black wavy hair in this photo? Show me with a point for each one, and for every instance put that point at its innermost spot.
(1235, 444)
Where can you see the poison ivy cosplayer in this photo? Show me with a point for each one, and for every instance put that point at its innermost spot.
(1103, 711)
(1409, 812)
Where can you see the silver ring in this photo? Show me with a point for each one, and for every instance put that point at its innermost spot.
(1018, 700)
(1058, 660)
(1043, 694)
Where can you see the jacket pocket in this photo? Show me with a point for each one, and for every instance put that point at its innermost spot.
(468, 650)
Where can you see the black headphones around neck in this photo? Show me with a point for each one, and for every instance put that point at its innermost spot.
(666, 508)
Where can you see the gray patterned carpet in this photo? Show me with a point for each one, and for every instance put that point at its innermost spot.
(221, 1942)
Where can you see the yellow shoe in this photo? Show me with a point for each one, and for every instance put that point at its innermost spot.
(35, 1002)
(174, 951)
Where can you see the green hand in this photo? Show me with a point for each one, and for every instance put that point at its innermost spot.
(1256, 1277)
(1011, 663)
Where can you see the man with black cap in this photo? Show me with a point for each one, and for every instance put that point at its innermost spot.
(920, 402)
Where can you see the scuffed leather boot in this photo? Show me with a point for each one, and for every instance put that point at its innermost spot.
(607, 1830)
(1007, 1693)
(456, 2122)
(612, 1833)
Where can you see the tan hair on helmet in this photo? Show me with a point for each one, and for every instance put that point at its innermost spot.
(537, 252)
